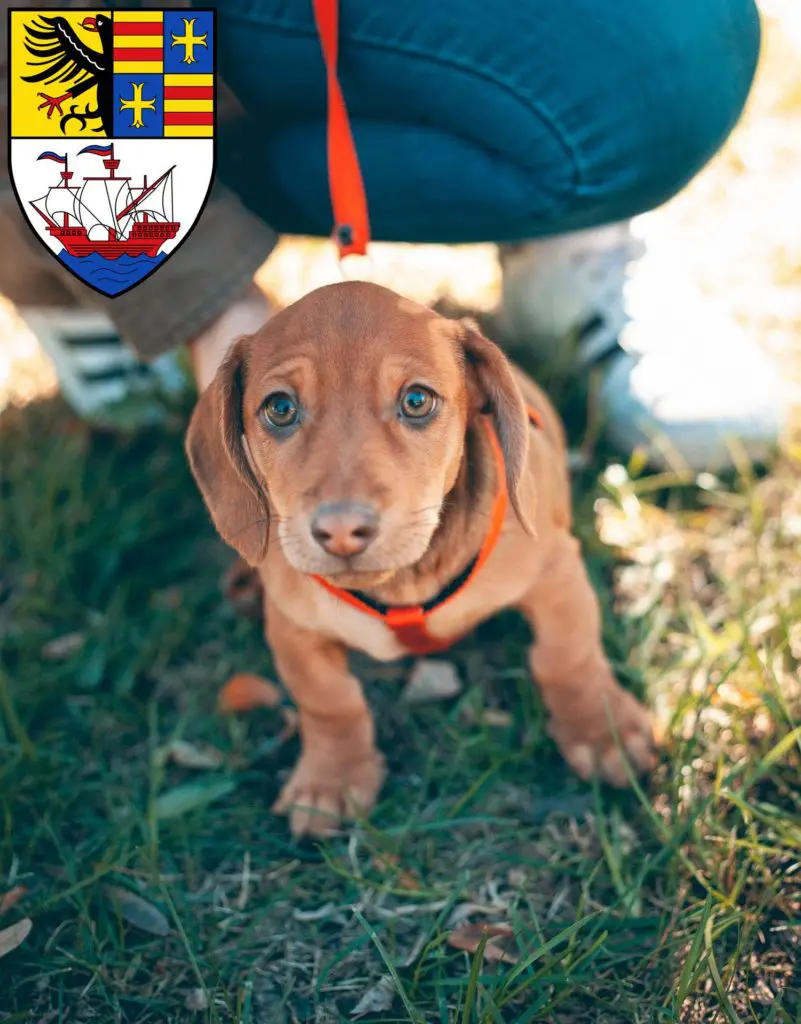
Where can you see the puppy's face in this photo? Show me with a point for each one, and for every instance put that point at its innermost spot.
(355, 412)
(342, 424)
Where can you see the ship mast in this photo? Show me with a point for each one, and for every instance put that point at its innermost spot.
(110, 163)
(45, 217)
(66, 174)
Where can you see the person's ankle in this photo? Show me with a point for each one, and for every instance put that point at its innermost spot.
(244, 316)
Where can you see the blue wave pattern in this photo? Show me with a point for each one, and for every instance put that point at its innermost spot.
(111, 276)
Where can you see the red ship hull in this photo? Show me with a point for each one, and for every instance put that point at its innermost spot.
(145, 239)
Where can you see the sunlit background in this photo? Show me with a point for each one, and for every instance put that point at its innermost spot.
(737, 228)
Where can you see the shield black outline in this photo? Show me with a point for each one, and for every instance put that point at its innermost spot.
(32, 12)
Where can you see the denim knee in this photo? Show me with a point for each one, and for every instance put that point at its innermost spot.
(501, 121)
(698, 59)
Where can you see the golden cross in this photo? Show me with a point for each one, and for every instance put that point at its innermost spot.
(189, 40)
(137, 104)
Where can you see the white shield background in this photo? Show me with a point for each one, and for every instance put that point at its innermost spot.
(193, 160)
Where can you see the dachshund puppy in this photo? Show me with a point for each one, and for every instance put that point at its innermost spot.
(396, 481)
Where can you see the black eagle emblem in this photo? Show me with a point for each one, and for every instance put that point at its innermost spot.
(63, 57)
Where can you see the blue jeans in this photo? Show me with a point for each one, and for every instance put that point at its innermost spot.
(486, 119)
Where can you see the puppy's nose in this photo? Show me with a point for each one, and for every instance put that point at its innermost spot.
(344, 528)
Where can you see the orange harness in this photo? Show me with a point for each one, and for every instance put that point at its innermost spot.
(409, 623)
(352, 235)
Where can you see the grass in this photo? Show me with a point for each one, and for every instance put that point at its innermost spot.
(677, 902)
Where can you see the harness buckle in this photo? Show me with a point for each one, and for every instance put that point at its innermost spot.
(409, 626)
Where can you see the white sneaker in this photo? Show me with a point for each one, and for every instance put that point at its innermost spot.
(99, 376)
(680, 379)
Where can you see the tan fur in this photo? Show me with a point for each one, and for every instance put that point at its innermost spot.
(347, 351)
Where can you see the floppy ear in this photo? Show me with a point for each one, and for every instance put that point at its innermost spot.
(215, 446)
(490, 374)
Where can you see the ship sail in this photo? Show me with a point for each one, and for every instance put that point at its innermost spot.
(87, 217)
(158, 204)
(156, 200)
(98, 199)
(58, 201)
(124, 198)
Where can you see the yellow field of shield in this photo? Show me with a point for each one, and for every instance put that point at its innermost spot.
(26, 119)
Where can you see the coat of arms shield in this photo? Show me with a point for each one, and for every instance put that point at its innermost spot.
(111, 122)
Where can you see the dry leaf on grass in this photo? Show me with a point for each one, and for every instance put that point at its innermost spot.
(14, 936)
(499, 947)
(496, 717)
(388, 862)
(244, 692)
(196, 1000)
(61, 647)
(517, 878)
(136, 910)
(12, 897)
(191, 796)
(377, 999)
(187, 755)
(326, 912)
(462, 911)
(431, 680)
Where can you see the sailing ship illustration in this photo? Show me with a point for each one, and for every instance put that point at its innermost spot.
(106, 214)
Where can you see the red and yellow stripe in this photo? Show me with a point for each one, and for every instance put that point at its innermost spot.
(188, 105)
(138, 42)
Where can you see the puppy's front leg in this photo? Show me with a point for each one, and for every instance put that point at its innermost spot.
(340, 771)
(587, 704)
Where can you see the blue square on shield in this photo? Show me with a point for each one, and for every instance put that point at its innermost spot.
(188, 42)
(138, 106)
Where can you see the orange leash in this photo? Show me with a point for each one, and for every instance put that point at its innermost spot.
(352, 235)
(348, 199)
(409, 623)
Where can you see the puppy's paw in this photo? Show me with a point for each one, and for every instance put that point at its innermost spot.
(318, 797)
(617, 730)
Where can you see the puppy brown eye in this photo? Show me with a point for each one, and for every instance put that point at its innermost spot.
(417, 402)
(279, 409)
